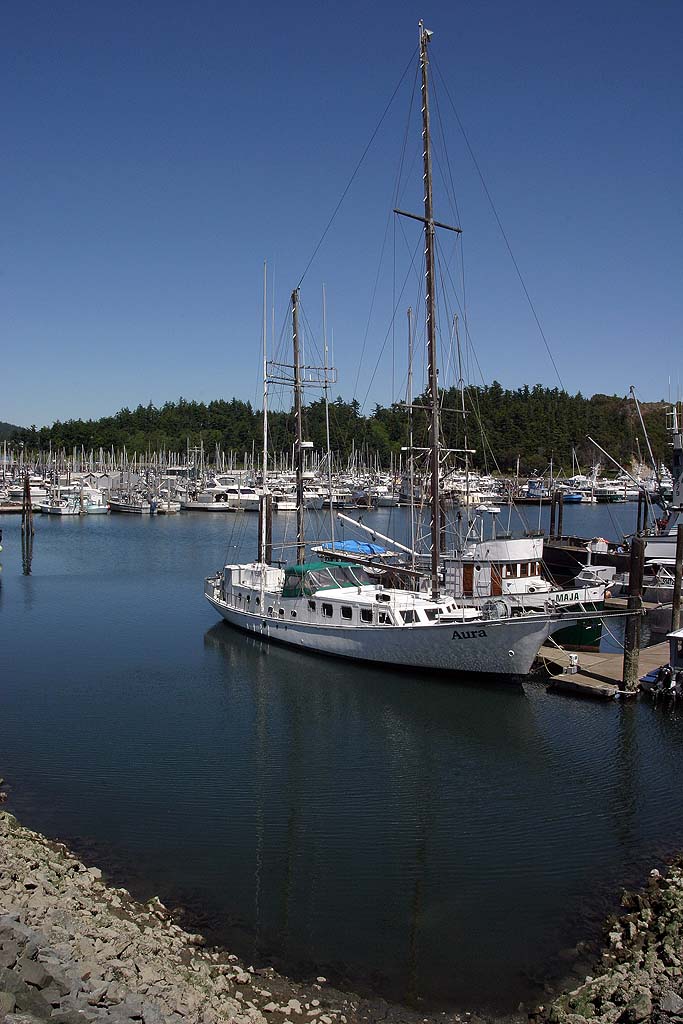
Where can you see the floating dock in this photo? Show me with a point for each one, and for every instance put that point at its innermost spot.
(599, 675)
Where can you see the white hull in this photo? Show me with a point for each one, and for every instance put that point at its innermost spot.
(204, 506)
(658, 548)
(133, 508)
(60, 510)
(493, 647)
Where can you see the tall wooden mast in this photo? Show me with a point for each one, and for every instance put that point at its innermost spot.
(433, 384)
(434, 431)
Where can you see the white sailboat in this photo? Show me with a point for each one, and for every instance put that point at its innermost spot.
(336, 607)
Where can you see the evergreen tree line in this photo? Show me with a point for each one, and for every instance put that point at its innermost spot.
(530, 423)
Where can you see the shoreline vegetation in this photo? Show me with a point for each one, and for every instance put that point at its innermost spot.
(503, 425)
(74, 950)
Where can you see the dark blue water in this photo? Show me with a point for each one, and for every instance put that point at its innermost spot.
(436, 840)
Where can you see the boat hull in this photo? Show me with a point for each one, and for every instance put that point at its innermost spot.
(131, 508)
(498, 647)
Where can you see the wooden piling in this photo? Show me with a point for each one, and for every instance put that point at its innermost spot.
(633, 620)
(27, 508)
(678, 574)
(553, 500)
(560, 512)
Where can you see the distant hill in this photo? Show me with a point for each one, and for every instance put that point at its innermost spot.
(531, 424)
(7, 429)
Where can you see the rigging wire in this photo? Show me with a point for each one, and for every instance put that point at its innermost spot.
(502, 230)
(357, 167)
(397, 188)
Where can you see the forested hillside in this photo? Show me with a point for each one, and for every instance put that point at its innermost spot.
(532, 423)
(8, 430)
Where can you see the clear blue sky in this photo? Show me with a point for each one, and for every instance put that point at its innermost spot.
(154, 154)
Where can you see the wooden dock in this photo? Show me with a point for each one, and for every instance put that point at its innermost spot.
(614, 604)
(599, 675)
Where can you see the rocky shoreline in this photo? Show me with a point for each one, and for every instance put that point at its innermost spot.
(76, 951)
(639, 974)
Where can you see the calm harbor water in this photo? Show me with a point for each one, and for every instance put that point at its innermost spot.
(440, 841)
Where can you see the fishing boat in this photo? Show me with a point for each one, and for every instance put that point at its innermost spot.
(69, 506)
(132, 504)
(336, 607)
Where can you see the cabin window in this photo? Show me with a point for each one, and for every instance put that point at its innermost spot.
(293, 613)
(409, 615)
(432, 613)
(311, 605)
(510, 571)
(346, 612)
(248, 598)
(327, 610)
(384, 618)
(281, 613)
(258, 600)
(523, 569)
(270, 610)
(366, 615)
(539, 569)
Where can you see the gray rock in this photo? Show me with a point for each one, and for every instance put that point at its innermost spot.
(9, 981)
(33, 972)
(639, 1008)
(671, 1003)
(131, 1006)
(151, 1014)
(68, 1017)
(9, 953)
(97, 994)
(32, 1001)
(21, 1018)
(7, 1002)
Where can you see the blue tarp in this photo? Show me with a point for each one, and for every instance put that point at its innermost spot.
(356, 547)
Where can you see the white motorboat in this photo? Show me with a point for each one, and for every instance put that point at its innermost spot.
(61, 507)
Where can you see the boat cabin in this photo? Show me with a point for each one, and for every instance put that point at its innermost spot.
(331, 593)
(307, 579)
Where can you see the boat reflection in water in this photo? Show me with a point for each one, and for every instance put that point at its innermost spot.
(407, 832)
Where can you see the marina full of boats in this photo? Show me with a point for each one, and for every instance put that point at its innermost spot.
(463, 596)
(79, 483)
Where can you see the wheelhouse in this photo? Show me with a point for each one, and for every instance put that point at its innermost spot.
(307, 579)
